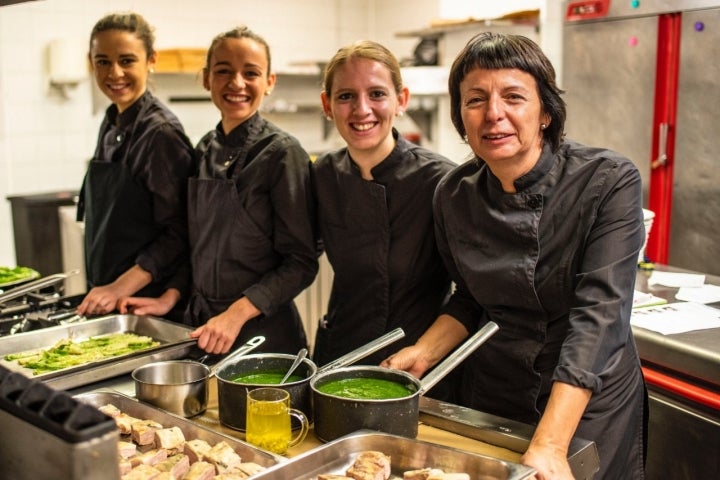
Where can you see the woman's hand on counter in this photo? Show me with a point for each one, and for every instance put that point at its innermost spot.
(150, 306)
(99, 301)
(550, 463)
(548, 448)
(104, 299)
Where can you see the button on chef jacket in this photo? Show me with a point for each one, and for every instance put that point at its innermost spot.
(134, 197)
(554, 266)
(379, 239)
(251, 230)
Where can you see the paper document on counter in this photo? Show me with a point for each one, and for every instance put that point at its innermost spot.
(676, 317)
(676, 280)
(705, 294)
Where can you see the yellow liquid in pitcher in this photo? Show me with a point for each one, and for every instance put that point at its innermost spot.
(268, 426)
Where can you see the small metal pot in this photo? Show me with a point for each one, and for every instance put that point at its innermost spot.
(337, 416)
(178, 386)
(181, 386)
(232, 396)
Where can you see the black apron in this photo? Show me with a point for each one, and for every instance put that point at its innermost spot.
(119, 221)
(220, 233)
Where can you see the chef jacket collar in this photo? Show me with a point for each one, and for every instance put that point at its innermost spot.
(394, 159)
(127, 118)
(238, 135)
(538, 172)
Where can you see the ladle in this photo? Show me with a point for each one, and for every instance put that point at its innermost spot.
(299, 358)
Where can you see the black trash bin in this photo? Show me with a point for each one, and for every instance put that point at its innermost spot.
(36, 229)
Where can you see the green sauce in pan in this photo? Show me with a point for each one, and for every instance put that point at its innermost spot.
(265, 378)
(365, 388)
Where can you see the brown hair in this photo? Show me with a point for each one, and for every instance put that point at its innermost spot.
(128, 22)
(237, 32)
(363, 49)
(494, 51)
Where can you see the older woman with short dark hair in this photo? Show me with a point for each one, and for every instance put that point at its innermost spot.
(541, 235)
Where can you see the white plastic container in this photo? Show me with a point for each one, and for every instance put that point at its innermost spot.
(648, 217)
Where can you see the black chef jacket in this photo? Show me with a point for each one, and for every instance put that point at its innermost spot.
(379, 239)
(554, 266)
(144, 220)
(251, 230)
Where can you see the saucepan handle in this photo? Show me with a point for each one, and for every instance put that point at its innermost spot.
(456, 357)
(249, 346)
(365, 350)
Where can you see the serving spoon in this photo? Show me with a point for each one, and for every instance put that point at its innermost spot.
(299, 358)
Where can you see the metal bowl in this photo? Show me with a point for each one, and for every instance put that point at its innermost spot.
(178, 386)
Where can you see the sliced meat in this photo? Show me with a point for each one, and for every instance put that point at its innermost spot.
(231, 475)
(126, 449)
(200, 471)
(171, 438)
(196, 449)
(110, 410)
(250, 468)
(141, 472)
(124, 466)
(370, 465)
(223, 456)
(178, 465)
(124, 422)
(240, 471)
(449, 476)
(151, 457)
(143, 431)
(331, 476)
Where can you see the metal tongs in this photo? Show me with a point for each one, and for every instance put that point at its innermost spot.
(35, 285)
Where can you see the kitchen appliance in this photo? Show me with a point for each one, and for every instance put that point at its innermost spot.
(641, 79)
(72, 440)
(38, 304)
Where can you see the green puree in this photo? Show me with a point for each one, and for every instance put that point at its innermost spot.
(365, 388)
(265, 378)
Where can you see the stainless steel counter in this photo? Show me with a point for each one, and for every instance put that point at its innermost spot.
(682, 372)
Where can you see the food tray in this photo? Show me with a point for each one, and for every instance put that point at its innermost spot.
(190, 430)
(173, 337)
(405, 454)
(4, 286)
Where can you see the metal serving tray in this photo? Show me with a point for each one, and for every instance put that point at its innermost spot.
(173, 337)
(405, 454)
(191, 430)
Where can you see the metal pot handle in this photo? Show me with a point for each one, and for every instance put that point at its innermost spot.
(249, 346)
(460, 354)
(365, 350)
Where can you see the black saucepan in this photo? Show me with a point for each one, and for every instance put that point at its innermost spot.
(336, 416)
